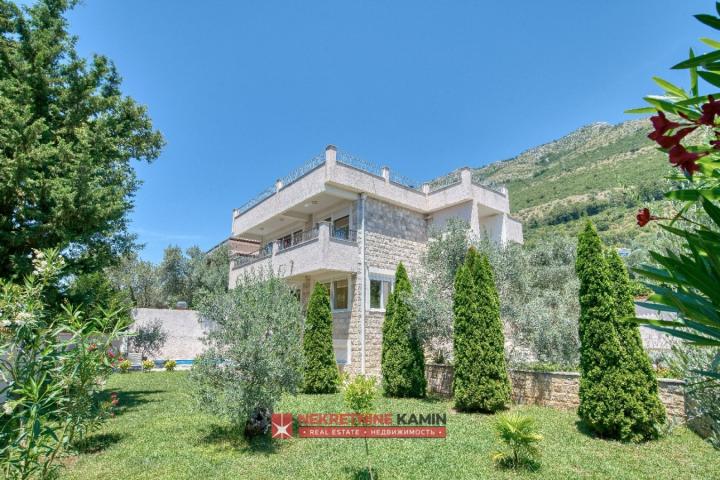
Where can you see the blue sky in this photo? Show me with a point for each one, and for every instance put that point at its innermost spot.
(246, 91)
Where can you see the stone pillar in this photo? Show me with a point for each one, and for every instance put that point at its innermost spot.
(465, 177)
(330, 155)
(385, 172)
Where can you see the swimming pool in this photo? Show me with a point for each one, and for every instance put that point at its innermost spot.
(178, 362)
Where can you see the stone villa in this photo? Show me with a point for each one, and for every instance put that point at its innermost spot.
(343, 222)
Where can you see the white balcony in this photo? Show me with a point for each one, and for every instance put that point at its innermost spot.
(317, 250)
(338, 177)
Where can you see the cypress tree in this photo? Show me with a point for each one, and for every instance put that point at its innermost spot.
(609, 385)
(481, 381)
(402, 360)
(321, 373)
(646, 411)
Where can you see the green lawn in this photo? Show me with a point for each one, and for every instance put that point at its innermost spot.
(159, 434)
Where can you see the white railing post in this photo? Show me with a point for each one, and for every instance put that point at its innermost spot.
(386, 174)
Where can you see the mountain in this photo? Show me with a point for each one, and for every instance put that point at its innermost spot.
(600, 171)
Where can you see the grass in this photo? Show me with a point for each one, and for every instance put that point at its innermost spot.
(159, 434)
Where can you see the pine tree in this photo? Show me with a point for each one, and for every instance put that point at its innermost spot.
(609, 384)
(321, 373)
(403, 360)
(481, 381)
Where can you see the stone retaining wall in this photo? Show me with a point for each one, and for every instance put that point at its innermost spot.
(555, 389)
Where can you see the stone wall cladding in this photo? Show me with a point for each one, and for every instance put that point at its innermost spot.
(555, 389)
(393, 235)
(395, 222)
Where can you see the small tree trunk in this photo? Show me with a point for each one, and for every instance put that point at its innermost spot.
(258, 423)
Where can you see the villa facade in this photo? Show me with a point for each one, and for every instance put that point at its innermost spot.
(343, 222)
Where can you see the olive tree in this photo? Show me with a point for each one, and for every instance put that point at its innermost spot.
(254, 352)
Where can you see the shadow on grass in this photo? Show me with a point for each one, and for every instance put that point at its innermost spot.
(525, 465)
(130, 400)
(361, 473)
(97, 442)
(234, 437)
(434, 398)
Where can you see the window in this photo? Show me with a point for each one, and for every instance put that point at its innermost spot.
(340, 297)
(379, 293)
(339, 294)
(341, 228)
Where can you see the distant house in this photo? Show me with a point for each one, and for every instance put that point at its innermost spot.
(347, 223)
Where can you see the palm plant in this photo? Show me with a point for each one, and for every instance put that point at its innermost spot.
(519, 434)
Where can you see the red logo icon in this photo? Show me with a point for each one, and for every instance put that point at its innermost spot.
(282, 425)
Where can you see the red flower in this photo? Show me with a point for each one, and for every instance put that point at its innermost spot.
(661, 124)
(670, 141)
(643, 217)
(110, 354)
(709, 110)
(685, 160)
(114, 402)
(92, 347)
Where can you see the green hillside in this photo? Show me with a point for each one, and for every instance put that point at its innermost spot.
(601, 171)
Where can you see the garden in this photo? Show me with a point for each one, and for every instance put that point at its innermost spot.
(158, 433)
(74, 408)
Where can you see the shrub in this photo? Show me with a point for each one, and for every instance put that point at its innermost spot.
(520, 436)
(321, 372)
(481, 381)
(148, 365)
(170, 365)
(254, 352)
(55, 361)
(359, 396)
(124, 366)
(614, 398)
(402, 359)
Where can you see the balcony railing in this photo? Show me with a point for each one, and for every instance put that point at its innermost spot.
(345, 158)
(244, 259)
(279, 246)
(344, 234)
(298, 239)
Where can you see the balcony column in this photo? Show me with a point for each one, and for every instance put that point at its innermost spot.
(324, 232)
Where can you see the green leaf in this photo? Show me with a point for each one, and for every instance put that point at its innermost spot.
(683, 195)
(641, 110)
(710, 42)
(693, 77)
(709, 20)
(710, 77)
(697, 100)
(700, 61)
(670, 88)
(712, 210)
